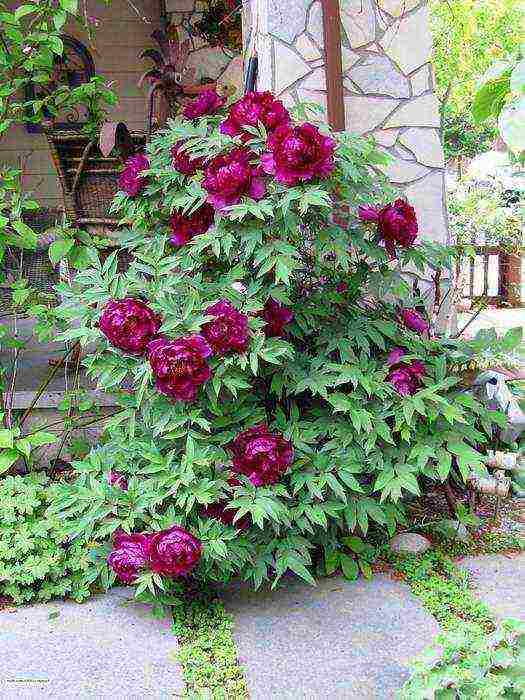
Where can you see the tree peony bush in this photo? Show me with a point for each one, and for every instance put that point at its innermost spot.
(281, 383)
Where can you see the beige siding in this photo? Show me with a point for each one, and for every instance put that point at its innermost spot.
(119, 39)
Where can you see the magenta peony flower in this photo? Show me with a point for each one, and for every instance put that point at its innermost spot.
(299, 154)
(185, 227)
(396, 224)
(277, 317)
(208, 102)
(403, 381)
(342, 287)
(174, 552)
(413, 320)
(180, 366)
(129, 555)
(395, 355)
(117, 479)
(260, 455)
(251, 109)
(129, 324)
(231, 176)
(228, 330)
(130, 180)
(183, 162)
(405, 377)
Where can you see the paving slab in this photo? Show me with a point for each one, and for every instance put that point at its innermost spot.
(340, 639)
(499, 581)
(107, 647)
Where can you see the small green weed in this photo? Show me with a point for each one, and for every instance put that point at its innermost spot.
(207, 651)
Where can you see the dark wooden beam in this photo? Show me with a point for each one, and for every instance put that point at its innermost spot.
(333, 64)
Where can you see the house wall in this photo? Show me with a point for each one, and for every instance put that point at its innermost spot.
(119, 38)
(387, 78)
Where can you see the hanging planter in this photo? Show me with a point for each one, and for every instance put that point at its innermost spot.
(220, 24)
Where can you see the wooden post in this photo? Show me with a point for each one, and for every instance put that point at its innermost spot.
(333, 64)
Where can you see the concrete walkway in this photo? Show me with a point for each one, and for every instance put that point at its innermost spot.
(347, 640)
(107, 648)
(340, 640)
(499, 580)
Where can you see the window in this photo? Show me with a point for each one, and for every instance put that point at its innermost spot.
(74, 67)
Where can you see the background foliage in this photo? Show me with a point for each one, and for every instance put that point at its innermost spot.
(468, 36)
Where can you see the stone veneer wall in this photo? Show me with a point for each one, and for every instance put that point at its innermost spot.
(213, 62)
(388, 83)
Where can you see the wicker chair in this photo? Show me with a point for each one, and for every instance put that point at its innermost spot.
(88, 179)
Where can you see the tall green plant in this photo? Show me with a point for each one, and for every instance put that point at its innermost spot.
(282, 387)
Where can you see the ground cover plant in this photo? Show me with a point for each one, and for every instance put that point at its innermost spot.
(281, 383)
(35, 563)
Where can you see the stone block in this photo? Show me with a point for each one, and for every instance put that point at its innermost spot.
(409, 42)
(397, 8)
(289, 67)
(421, 111)
(287, 18)
(364, 114)
(358, 22)
(307, 48)
(499, 581)
(315, 23)
(425, 144)
(427, 197)
(401, 171)
(107, 647)
(421, 80)
(386, 137)
(377, 74)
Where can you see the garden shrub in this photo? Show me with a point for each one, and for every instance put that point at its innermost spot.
(35, 563)
(472, 664)
(281, 382)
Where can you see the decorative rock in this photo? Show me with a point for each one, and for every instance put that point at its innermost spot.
(364, 114)
(402, 171)
(425, 144)
(409, 43)
(386, 137)
(425, 196)
(289, 67)
(409, 543)
(397, 8)
(358, 21)
(421, 80)
(421, 111)
(377, 74)
(307, 48)
(208, 62)
(287, 18)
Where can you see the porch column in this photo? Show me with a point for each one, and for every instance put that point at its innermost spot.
(387, 80)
